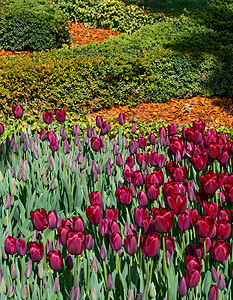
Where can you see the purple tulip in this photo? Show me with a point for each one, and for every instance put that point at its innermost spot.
(109, 284)
(130, 244)
(60, 115)
(66, 148)
(221, 281)
(102, 252)
(122, 119)
(133, 130)
(21, 247)
(182, 288)
(105, 127)
(17, 111)
(1, 129)
(89, 242)
(75, 293)
(48, 117)
(213, 292)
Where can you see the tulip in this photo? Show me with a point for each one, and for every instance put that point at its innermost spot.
(119, 159)
(204, 226)
(49, 246)
(2, 148)
(10, 245)
(11, 291)
(21, 247)
(39, 219)
(104, 127)
(36, 251)
(75, 293)
(111, 214)
(150, 244)
(66, 147)
(183, 221)
(142, 142)
(213, 292)
(210, 182)
(220, 250)
(96, 197)
(223, 229)
(193, 271)
(170, 244)
(214, 274)
(76, 242)
(69, 261)
(130, 161)
(199, 125)
(103, 227)
(137, 178)
(152, 191)
(17, 111)
(60, 114)
(76, 130)
(56, 285)
(221, 281)
(94, 213)
(127, 173)
(122, 119)
(55, 260)
(124, 195)
(133, 147)
(133, 130)
(182, 288)
(163, 219)
(177, 203)
(89, 242)
(116, 241)
(140, 213)
(96, 144)
(28, 270)
(109, 284)
(152, 138)
(142, 198)
(14, 273)
(172, 129)
(113, 226)
(77, 224)
(52, 219)
(102, 252)
(48, 117)
(99, 121)
(24, 292)
(130, 244)
(1, 129)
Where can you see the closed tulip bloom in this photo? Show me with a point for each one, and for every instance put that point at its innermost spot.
(96, 144)
(62, 234)
(130, 161)
(89, 242)
(223, 229)
(17, 111)
(75, 293)
(152, 138)
(142, 142)
(122, 119)
(182, 288)
(140, 213)
(116, 241)
(130, 244)
(78, 224)
(213, 292)
(170, 244)
(210, 209)
(96, 197)
(39, 219)
(220, 250)
(60, 114)
(55, 260)
(94, 213)
(76, 242)
(124, 195)
(177, 203)
(66, 148)
(24, 292)
(103, 227)
(99, 121)
(36, 251)
(48, 117)
(105, 127)
(221, 281)
(127, 173)
(193, 274)
(150, 244)
(172, 129)
(152, 191)
(51, 135)
(1, 129)
(183, 221)
(10, 245)
(52, 219)
(204, 226)
(11, 291)
(214, 274)
(137, 178)
(76, 130)
(178, 174)
(163, 219)
(113, 226)
(119, 159)
(21, 247)
(102, 252)
(54, 145)
(133, 130)
(133, 147)
(111, 214)
(109, 284)
(142, 198)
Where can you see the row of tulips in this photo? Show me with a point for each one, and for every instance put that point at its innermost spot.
(134, 217)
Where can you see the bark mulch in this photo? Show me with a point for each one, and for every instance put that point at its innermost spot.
(215, 111)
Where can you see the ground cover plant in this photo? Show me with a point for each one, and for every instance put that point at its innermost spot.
(136, 216)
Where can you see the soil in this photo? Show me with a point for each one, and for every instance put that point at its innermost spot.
(217, 111)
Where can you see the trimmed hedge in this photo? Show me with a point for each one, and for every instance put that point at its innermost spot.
(32, 25)
(153, 64)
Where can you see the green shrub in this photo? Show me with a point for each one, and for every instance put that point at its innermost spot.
(113, 14)
(32, 25)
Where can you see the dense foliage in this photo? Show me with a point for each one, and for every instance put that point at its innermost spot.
(32, 25)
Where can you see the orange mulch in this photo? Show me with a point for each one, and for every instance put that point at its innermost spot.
(215, 111)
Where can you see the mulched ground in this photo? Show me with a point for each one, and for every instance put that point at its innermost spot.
(215, 111)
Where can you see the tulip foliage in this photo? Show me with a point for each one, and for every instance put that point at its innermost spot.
(86, 217)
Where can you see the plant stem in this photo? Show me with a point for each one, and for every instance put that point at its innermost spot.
(130, 268)
(22, 267)
(151, 269)
(164, 256)
(88, 271)
(147, 278)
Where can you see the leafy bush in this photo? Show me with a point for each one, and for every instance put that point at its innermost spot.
(113, 14)
(32, 25)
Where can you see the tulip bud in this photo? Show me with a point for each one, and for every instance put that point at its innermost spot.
(109, 283)
(89, 242)
(130, 295)
(221, 282)
(24, 292)
(54, 183)
(75, 293)
(213, 292)
(49, 246)
(66, 147)
(152, 290)
(94, 265)
(14, 273)
(28, 270)
(214, 274)
(122, 119)
(102, 252)
(182, 288)
(40, 271)
(11, 291)
(2, 148)
(133, 130)
(56, 285)
(8, 201)
(3, 285)
(94, 295)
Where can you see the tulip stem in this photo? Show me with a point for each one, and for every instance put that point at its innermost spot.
(88, 271)
(151, 269)
(28, 285)
(130, 268)
(147, 278)
(22, 265)
(10, 274)
(164, 256)
(105, 272)
(44, 251)
(139, 236)
(75, 270)
(41, 294)
(117, 263)
(136, 258)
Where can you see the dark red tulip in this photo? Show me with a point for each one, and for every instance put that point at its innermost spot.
(60, 114)
(153, 159)
(228, 192)
(176, 145)
(199, 162)
(119, 159)
(113, 226)
(39, 219)
(142, 142)
(183, 221)
(21, 247)
(89, 242)
(223, 229)
(171, 187)
(142, 159)
(210, 209)
(223, 214)
(67, 223)
(177, 203)
(116, 241)
(150, 244)
(51, 135)
(130, 161)
(78, 224)
(17, 111)
(133, 147)
(152, 191)
(111, 214)
(192, 135)
(137, 178)
(172, 129)
(152, 138)
(213, 292)
(162, 131)
(124, 195)
(105, 127)
(96, 144)
(55, 260)
(96, 197)
(122, 119)
(48, 117)
(10, 245)
(128, 173)
(94, 213)
(193, 275)
(210, 182)
(140, 213)
(54, 145)
(62, 234)
(142, 198)
(1, 129)
(148, 226)
(182, 288)
(99, 121)
(156, 177)
(161, 160)
(220, 250)
(178, 174)
(199, 125)
(163, 219)
(130, 244)
(76, 242)
(103, 227)
(52, 219)
(170, 244)
(36, 251)
(204, 226)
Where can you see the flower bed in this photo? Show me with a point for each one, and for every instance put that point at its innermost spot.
(85, 217)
